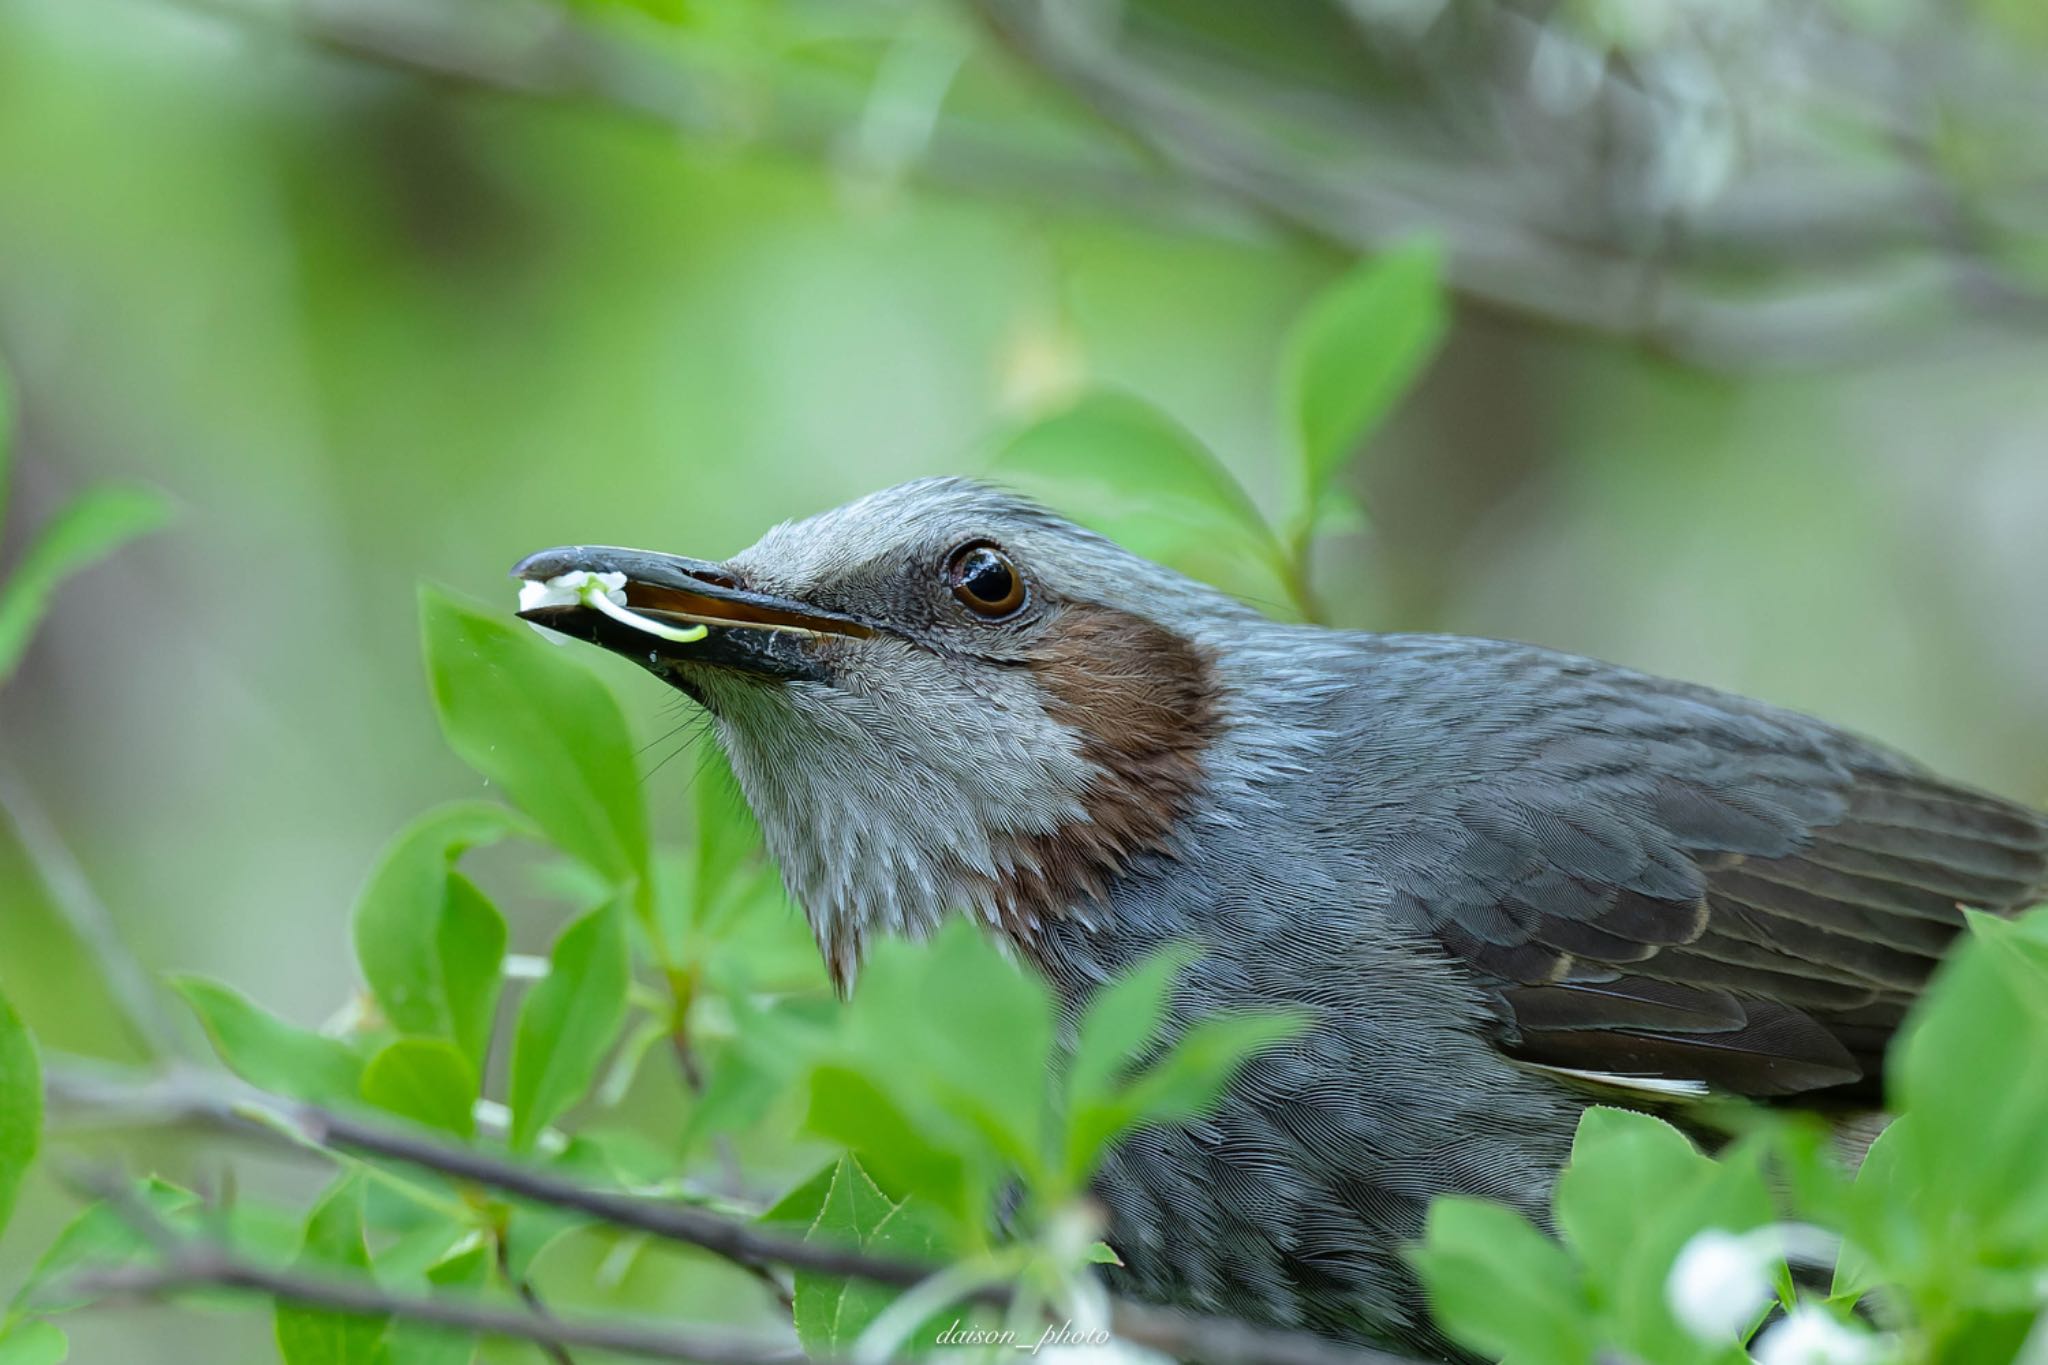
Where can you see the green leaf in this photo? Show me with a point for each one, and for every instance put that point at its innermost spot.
(1635, 1192)
(1807, 1158)
(333, 1243)
(618, 1078)
(947, 1113)
(568, 1021)
(1880, 1218)
(546, 730)
(425, 1079)
(852, 1211)
(266, 1051)
(1120, 1020)
(1337, 513)
(723, 908)
(465, 1267)
(1353, 353)
(1180, 1085)
(1118, 442)
(1131, 472)
(21, 1105)
(976, 1088)
(467, 1263)
(97, 1239)
(31, 1341)
(430, 943)
(1193, 1073)
(799, 1207)
(531, 1232)
(619, 1156)
(1622, 1162)
(1981, 1030)
(1500, 1287)
(848, 1108)
(91, 526)
(470, 943)
(775, 1042)
(995, 1059)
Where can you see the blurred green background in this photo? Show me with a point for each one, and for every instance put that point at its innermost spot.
(368, 316)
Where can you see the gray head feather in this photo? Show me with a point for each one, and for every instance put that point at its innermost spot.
(902, 788)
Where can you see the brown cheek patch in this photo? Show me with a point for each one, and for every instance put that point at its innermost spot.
(1142, 701)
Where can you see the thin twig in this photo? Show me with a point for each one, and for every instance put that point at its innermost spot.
(134, 991)
(683, 988)
(1186, 1336)
(202, 1267)
(191, 1262)
(231, 1107)
(207, 1101)
(502, 1249)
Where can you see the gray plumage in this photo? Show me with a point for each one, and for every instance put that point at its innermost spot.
(1484, 868)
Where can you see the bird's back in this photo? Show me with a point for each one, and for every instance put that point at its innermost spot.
(1662, 879)
(1507, 871)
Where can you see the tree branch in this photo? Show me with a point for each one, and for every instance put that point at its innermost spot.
(540, 51)
(188, 1263)
(1494, 256)
(200, 1266)
(231, 1107)
(501, 1249)
(227, 1106)
(1866, 285)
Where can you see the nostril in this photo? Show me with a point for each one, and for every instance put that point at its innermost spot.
(717, 578)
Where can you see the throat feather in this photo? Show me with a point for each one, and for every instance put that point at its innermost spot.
(1141, 703)
(884, 817)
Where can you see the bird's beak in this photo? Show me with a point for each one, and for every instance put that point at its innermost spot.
(748, 631)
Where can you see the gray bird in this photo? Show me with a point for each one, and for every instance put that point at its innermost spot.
(1504, 882)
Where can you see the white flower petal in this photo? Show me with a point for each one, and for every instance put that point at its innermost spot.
(1720, 1282)
(566, 590)
(1810, 1335)
(605, 592)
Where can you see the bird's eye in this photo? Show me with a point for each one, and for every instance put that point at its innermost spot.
(985, 580)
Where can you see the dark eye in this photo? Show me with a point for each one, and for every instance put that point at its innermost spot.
(985, 580)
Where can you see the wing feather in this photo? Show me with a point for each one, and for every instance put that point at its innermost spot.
(1667, 882)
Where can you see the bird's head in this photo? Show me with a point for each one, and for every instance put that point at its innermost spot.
(935, 697)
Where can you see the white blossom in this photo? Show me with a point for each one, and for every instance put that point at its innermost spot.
(566, 590)
(1810, 1335)
(605, 592)
(1721, 1281)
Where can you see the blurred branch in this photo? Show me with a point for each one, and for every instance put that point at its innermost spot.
(538, 50)
(186, 1264)
(134, 990)
(1496, 257)
(199, 1098)
(536, 1307)
(1853, 262)
(208, 1101)
(202, 1266)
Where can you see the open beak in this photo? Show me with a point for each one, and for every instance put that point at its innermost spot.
(669, 596)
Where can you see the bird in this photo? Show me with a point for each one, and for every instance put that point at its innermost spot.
(1501, 883)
